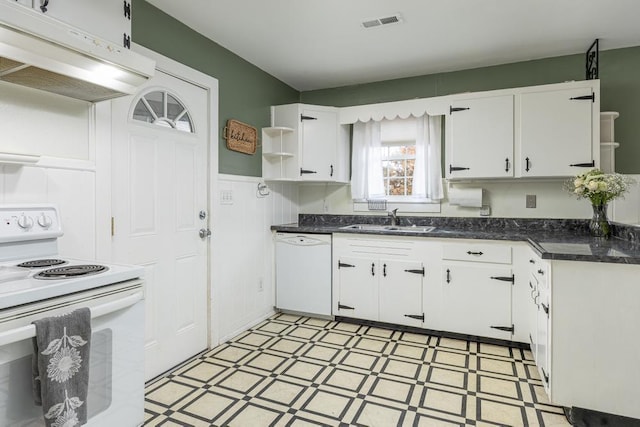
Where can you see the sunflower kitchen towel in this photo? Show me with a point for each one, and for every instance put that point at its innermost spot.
(61, 367)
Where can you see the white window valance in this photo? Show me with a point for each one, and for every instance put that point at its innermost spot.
(436, 106)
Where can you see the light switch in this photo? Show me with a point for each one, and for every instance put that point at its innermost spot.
(226, 197)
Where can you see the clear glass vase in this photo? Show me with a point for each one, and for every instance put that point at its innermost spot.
(599, 225)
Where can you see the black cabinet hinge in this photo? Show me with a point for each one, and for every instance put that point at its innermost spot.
(344, 264)
(127, 10)
(511, 279)
(126, 41)
(453, 109)
(416, 271)
(344, 307)
(43, 6)
(457, 168)
(303, 118)
(590, 164)
(416, 316)
(545, 308)
(592, 97)
(504, 328)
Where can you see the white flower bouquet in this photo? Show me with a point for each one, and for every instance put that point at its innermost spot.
(599, 187)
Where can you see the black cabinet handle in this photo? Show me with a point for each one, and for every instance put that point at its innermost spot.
(373, 269)
(531, 261)
(344, 264)
(457, 168)
(344, 307)
(453, 109)
(303, 117)
(448, 276)
(541, 272)
(546, 377)
(331, 170)
(43, 8)
(506, 166)
(590, 164)
(415, 316)
(474, 253)
(305, 171)
(384, 270)
(526, 164)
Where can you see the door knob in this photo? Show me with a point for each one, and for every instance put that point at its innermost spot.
(204, 232)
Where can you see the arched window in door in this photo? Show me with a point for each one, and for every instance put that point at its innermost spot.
(161, 108)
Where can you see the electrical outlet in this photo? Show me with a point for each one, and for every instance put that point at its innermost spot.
(531, 201)
(485, 210)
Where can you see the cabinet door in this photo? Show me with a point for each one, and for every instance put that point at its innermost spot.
(102, 18)
(556, 132)
(319, 141)
(476, 301)
(542, 344)
(357, 288)
(532, 311)
(479, 140)
(401, 292)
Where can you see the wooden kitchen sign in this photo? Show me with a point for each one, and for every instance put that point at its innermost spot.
(241, 137)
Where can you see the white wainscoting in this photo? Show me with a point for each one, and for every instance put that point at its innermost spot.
(73, 191)
(243, 249)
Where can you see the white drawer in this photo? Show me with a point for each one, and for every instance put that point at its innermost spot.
(477, 252)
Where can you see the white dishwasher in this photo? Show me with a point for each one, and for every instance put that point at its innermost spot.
(303, 273)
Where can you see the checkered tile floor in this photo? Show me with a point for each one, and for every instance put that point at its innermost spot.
(300, 371)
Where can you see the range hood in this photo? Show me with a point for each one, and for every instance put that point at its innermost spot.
(43, 53)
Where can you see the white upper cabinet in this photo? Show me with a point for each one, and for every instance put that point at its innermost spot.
(107, 19)
(319, 133)
(556, 132)
(480, 138)
(538, 131)
(314, 147)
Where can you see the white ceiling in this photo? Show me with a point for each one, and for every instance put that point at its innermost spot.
(321, 44)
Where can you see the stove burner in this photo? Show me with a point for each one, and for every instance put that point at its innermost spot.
(71, 271)
(40, 263)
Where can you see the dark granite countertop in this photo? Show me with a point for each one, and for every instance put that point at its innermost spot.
(555, 239)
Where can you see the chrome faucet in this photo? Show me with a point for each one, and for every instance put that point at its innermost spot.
(394, 217)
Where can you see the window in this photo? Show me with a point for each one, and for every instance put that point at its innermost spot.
(397, 161)
(163, 109)
(398, 147)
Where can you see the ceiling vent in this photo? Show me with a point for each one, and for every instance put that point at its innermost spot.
(379, 22)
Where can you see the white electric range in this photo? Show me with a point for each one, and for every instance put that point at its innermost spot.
(36, 282)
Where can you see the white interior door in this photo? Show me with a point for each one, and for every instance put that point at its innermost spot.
(159, 191)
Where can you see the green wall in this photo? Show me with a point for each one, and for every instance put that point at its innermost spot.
(619, 84)
(246, 92)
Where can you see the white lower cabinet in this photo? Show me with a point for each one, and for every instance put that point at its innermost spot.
(594, 313)
(358, 288)
(382, 278)
(401, 287)
(477, 281)
(476, 300)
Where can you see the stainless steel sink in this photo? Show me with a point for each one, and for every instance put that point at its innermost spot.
(376, 227)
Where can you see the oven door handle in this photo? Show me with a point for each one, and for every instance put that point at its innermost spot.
(29, 331)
